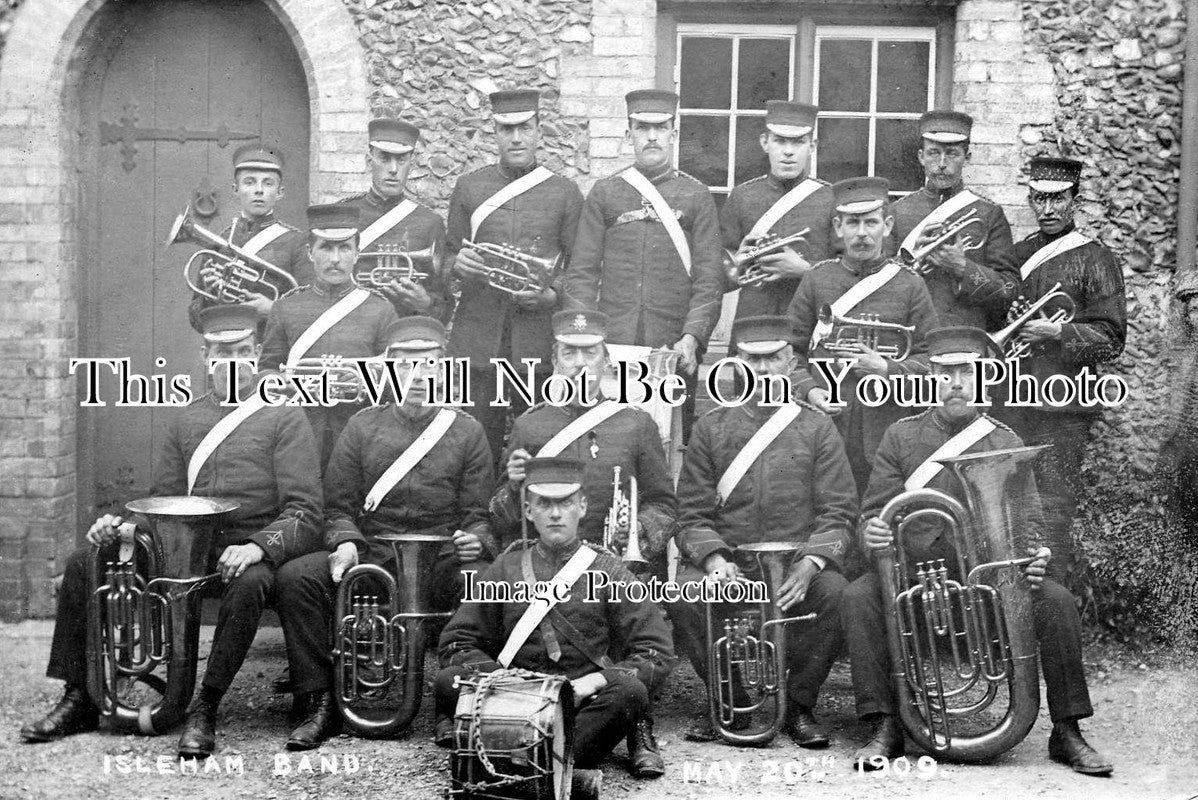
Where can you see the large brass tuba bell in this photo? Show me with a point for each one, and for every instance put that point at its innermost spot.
(137, 624)
(378, 650)
(749, 661)
(955, 644)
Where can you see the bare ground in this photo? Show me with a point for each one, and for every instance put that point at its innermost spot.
(1146, 720)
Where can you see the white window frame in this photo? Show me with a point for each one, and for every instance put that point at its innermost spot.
(736, 33)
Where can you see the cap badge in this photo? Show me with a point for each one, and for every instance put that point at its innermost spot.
(579, 323)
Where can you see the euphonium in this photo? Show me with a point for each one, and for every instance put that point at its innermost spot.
(918, 258)
(1006, 339)
(868, 331)
(983, 626)
(240, 273)
(137, 624)
(624, 507)
(393, 264)
(512, 270)
(744, 663)
(742, 267)
(378, 649)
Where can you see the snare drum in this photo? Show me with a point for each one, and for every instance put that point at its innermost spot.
(513, 737)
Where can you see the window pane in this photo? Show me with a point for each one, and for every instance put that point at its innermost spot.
(705, 74)
(751, 161)
(894, 154)
(843, 150)
(703, 149)
(844, 75)
(903, 76)
(764, 72)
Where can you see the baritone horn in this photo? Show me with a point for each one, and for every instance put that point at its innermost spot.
(624, 509)
(240, 273)
(918, 258)
(512, 270)
(746, 667)
(953, 645)
(1006, 339)
(393, 264)
(141, 619)
(379, 641)
(742, 267)
(888, 339)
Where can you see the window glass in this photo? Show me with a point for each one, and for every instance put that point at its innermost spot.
(895, 146)
(705, 69)
(844, 75)
(843, 150)
(903, 75)
(764, 72)
(703, 148)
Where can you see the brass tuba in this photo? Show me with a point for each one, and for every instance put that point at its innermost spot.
(137, 624)
(624, 507)
(512, 270)
(750, 661)
(742, 267)
(393, 264)
(1005, 339)
(378, 649)
(954, 645)
(889, 339)
(240, 273)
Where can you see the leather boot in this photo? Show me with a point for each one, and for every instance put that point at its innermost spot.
(885, 741)
(644, 760)
(806, 730)
(198, 739)
(586, 784)
(443, 732)
(323, 721)
(1067, 746)
(75, 713)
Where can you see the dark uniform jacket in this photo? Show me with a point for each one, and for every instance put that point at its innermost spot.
(1091, 276)
(540, 222)
(906, 445)
(444, 492)
(799, 490)
(903, 300)
(268, 465)
(745, 205)
(417, 231)
(630, 440)
(613, 626)
(360, 334)
(288, 252)
(625, 264)
(981, 297)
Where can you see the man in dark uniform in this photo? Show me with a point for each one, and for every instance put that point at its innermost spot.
(330, 317)
(798, 488)
(862, 282)
(267, 464)
(1089, 273)
(972, 278)
(520, 204)
(444, 493)
(581, 640)
(258, 186)
(648, 247)
(782, 203)
(905, 461)
(391, 220)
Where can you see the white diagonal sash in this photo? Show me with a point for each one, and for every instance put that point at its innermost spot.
(541, 606)
(858, 292)
(409, 458)
(320, 326)
(753, 449)
(568, 434)
(513, 189)
(782, 206)
(393, 217)
(664, 213)
(966, 438)
(938, 216)
(1070, 241)
(264, 237)
(219, 432)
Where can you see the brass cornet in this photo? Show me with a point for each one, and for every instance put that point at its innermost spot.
(345, 380)
(742, 268)
(1007, 339)
(393, 264)
(868, 331)
(240, 273)
(624, 507)
(918, 258)
(512, 270)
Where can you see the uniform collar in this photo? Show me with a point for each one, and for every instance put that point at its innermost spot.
(386, 203)
(255, 223)
(415, 415)
(1068, 229)
(656, 177)
(784, 184)
(951, 428)
(515, 174)
(336, 292)
(868, 268)
(556, 557)
(938, 196)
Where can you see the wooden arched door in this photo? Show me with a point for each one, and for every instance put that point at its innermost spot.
(173, 87)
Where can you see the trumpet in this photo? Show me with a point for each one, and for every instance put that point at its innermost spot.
(742, 267)
(866, 331)
(1006, 338)
(345, 381)
(515, 271)
(393, 264)
(918, 258)
(240, 273)
(751, 660)
(624, 508)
